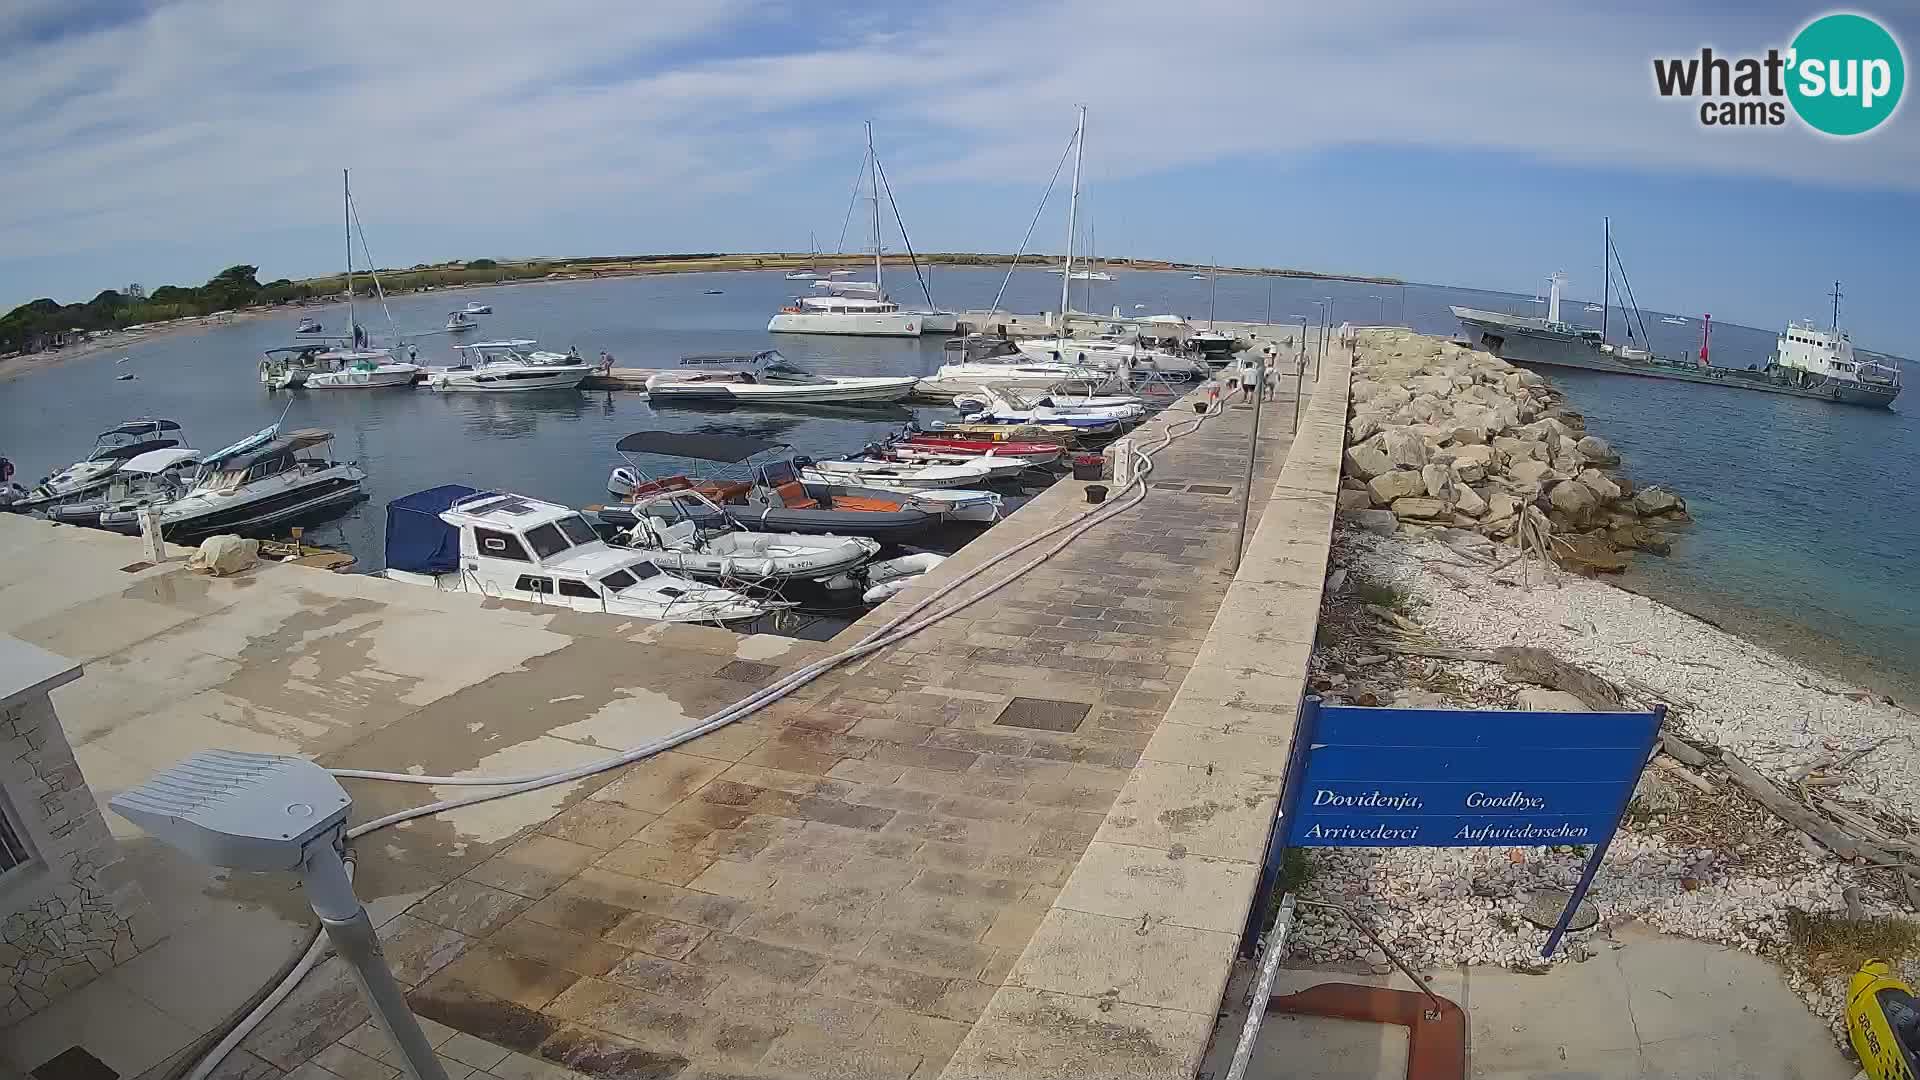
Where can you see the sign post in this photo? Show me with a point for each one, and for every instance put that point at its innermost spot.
(1364, 777)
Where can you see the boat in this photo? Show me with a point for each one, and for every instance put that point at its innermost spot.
(150, 479)
(324, 367)
(756, 485)
(1062, 434)
(997, 468)
(889, 576)
(112, 449)
(1007, 407)
(459, 323)
(309, 326)
(475, 307)
(126, 377)
(506, 366)
(1883, 1022)
(124, 360)
(768, 377)
(1594, 307)
(1674, 320)
(977, 401)
(855, 316)
(1214, 347)
(713, 292)
(286, 481)
(894, 474)
(1199, 277)
(801, 275)
(694, 537)
(813, 260)
(459, 539)
(1082, 275)
(1035, 454)
(1808, 361)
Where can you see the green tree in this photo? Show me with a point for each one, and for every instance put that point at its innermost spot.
(482, 264)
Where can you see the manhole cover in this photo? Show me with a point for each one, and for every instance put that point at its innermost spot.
(1209, 489)
(746, 671)
(1044, 714)
(1544, 910)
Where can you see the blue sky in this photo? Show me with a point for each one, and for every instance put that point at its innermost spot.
(1477, 145)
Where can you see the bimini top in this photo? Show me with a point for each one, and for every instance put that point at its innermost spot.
(730, 359)
(159, 461)
(730, 448)
(285, 444)
(506, 343)
(143, 426)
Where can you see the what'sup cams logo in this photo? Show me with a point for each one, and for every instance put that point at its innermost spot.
(1842, 75)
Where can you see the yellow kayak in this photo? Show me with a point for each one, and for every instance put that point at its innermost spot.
(1883, 1021)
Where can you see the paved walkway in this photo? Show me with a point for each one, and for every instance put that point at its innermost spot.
(1653, 1007)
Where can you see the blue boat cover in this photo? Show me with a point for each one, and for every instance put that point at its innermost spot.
(417, 540)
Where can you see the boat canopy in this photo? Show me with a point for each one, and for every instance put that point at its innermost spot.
(142, 426)
(159, 461)
(252, 442)
(509, 343)
(418, 540)
(285, 444)
(728, 448)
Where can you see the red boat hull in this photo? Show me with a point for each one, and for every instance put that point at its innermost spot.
(955, 445)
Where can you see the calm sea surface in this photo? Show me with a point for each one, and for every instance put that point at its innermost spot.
(1807, 531)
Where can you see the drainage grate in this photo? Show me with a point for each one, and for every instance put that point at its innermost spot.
(136, 567)
(1044, 714)
(746, 671)
(1166, 485)
(1209, 489)
(73, 1063)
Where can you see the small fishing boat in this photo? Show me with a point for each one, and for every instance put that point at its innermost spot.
(128, 377)
(1034, 453)
(890, 576)
(124, 360)
(309, 326)
(686, 533)
(1214, 347)
(459, 322)
(504, 366)
(713, 292)
(996, 468)
(1058, 434)
(112, 449)
(1005, 407)
(981, 400)
(459, 539)
(917, 476)
(1595, 307)
(323, 367)
(477, 308)
(286, 481)
(768, 377)
(755, 484)
(802, 275)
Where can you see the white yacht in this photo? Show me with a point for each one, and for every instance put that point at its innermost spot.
(919, 476)
(1109, 354)
(860, 316)
(149, 479)
(112, 449)
(459, 539)
(324, 367)
(475, 307)
(1674, 320)
(509, 365)
(770, 377)
(288, 480)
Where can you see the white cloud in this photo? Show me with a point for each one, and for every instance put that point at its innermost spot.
(223, 117)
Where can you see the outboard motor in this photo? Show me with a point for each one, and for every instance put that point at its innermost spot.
(621, 482)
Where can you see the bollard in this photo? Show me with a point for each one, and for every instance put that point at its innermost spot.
(156, 548)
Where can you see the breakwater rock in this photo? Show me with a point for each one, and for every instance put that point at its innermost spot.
(1444, 436)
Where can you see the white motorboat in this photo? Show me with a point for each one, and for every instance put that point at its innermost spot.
(112, 449)
(913, 476)
(150, 479)
(693, 536)
(801, 275)
(809, 274)
(1595, 307)
(952, 504)
(998, 468)
(286, 481)
(1674, 320)
(475, 307)
(1215, 347)
(1109, 354)
(771, 378)
(309, 326)
(509, 365)
(889, 576)
(855, 316)
(1007, 407)
(1054, 399)
(1081, 275)
(323, 367)
(460, 323)
(458, 539)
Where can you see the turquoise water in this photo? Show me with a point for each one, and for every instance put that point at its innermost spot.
(1807, 531)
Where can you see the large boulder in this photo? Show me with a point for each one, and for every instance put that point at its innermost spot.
(1362, 427)
(1425, 409)
(1575, 500)
(1414, 508)
(1439, 482)
(1517, 449)
(1654, 501)
(1405, 449)
(1598, 450)
(1364, 390)
(1598, 483)
(1378, 522)
(1353, 500)
(1368, 458)
(1468, 501)
(1587, 554)
(1638, 537)
(1437, 385)
(1472, 462)
(1529, 471)
(1397, 484)
(1501, 506)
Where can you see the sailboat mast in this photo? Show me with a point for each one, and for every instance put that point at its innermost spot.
(1213, 291)
(873, 182)
(346, 214)
(1836, 309)
(1073, 215)
(1606, 275)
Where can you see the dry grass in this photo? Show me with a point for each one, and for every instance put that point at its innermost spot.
(1830, 943)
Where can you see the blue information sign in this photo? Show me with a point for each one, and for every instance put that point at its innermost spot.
(1463, 778)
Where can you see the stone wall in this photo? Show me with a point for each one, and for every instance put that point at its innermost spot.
(65, 917)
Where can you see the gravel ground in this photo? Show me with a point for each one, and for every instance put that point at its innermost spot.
(1713, 867)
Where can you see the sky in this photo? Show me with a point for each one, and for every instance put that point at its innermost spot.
(1474, 143)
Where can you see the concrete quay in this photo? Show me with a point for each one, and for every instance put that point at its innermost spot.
(848, 882)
